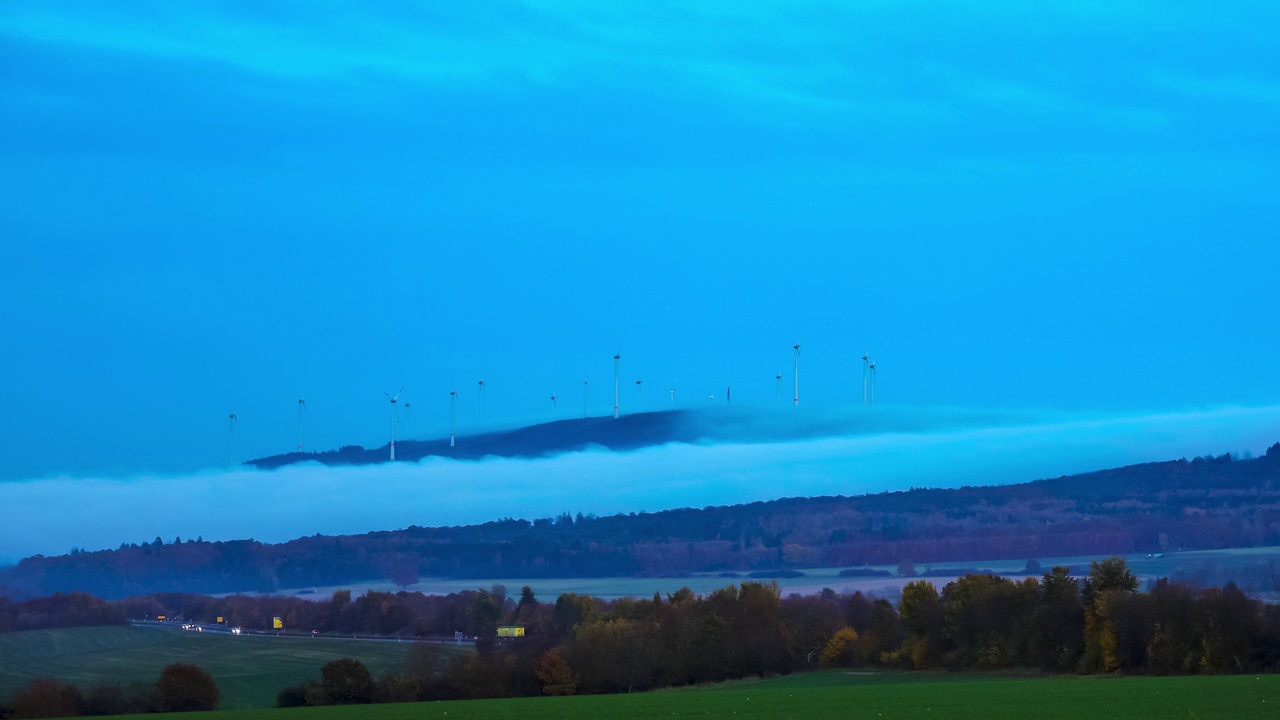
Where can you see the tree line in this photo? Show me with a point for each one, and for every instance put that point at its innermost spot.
(1204, 503)
(1054, 622)
(181, 687)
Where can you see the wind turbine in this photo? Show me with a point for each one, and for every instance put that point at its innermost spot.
(232, 422)
(872, 367)
(406, 418)
(584, 398)
(673, 396)
(617, 359)
(777, 386)
(302, 405)
(796, 399)
(639, 385)
(554, 405)
(453, 406)
(865, 358)
(480, 406)
(393, 399)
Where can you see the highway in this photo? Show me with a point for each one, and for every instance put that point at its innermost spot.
(183, 626)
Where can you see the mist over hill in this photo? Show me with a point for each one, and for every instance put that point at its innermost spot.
(639, 463)
(1202, 503)
(628, 432)
(633, 431)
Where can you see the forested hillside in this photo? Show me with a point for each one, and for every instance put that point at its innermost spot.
(1198, 504)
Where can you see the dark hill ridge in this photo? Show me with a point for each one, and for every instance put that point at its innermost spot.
(628, 432)
(632, 431)
(1201, 504)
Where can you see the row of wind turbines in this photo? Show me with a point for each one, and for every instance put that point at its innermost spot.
(868, 398)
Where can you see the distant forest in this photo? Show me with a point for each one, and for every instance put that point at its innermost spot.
(1098, 623)
(1205, 503)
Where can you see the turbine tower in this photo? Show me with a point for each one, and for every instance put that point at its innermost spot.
(796, 398)
(480, 406)
(617, 359)
(639, 385)
(393, 399)
(453, 407)
(302, 405)
(231, 420)
(865, 359)
(872, 367)
(673, 396)
(584, 398)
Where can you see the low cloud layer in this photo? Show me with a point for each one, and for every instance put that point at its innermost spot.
(820, 456)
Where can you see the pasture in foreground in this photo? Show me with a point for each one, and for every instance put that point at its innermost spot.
(250, 670)
(843, 695)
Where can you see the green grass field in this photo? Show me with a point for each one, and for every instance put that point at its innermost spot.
(846, 695)
(249, 670)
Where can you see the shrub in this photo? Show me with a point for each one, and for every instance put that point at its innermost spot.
(46, 697)
(346, 682)
(183, 687)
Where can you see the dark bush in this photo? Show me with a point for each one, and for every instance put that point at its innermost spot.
(45, 698)
(117, 699)
(293, 696)
(346, 682)
(183, 687)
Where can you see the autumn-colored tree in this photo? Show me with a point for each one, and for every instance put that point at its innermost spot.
(554, 672)
(811, 621)
(1108, 583)
(841, 649)
(922, 616)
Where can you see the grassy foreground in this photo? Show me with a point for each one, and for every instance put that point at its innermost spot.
(850, 695)
(250, 670)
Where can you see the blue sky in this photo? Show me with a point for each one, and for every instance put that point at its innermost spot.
(218, 207)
